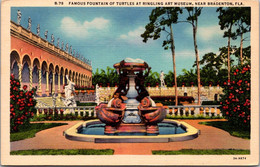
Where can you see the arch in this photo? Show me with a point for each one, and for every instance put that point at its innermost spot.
(73, 77)
(36, 67)
(62, 70)
(36, 63)
(44, 71)
(25, 73)
(76, 78)
(26, 59)
(51, 68)
(84, 80)
(70, 75)
(88, 81)
(61, 78)
(56, 80)
(14, 64)
(66, 73)
(57, 69)
(50, 73)
(44, 66)
(80, 79)
(35, 72)
(14, 57)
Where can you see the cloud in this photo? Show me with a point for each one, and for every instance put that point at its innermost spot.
(206, 33)
(79, 29)
(187, 54)
(133, 37)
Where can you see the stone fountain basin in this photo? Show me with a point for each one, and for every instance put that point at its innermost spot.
(72, 134)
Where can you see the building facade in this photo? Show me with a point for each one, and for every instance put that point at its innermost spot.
(37, 62)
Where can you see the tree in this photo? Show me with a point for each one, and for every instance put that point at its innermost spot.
(244, 26)
(246, 54)
(162, 19)
(188, 77)
(227, 18)
(105, 77)
(169, 79)
(152, 79)
(193, 14)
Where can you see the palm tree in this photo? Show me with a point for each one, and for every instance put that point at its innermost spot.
(193, 14)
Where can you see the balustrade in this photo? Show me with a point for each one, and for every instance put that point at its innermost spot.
(196, 110)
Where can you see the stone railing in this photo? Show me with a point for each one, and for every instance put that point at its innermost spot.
(20, 32)
(194, 110)
(191, 110)
(80, 110)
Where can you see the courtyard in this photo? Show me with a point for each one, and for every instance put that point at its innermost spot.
(209, 138)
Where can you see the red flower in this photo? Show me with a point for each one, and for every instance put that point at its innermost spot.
(24, 87)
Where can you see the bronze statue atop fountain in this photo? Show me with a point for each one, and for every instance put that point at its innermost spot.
(131, 110)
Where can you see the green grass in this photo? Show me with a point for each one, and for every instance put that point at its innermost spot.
(231, 129)
(202, 152)
(63, 152)
(32, 130)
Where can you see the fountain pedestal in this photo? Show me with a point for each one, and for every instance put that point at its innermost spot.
(131, 113)
(131, 110)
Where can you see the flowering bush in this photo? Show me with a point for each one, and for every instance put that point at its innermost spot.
(235, 102)
(22, 105)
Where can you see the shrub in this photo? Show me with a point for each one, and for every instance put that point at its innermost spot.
(235, 102)
(22, 105)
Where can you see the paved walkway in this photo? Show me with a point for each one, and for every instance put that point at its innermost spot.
(210, 138)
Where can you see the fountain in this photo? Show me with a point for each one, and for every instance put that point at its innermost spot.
(131, 115)
(131, 109)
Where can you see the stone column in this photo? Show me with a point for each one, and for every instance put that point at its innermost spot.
(40, 82)
(53, 82)
(63, 79)
(47, 82)
(59, 84)
(30, 73)
(20, 66)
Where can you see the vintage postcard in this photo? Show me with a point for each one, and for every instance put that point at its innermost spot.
(149, 82)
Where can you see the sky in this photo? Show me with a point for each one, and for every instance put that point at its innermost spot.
(107, 35)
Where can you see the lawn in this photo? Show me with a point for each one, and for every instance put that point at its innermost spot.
(63, 152)
(202, 152)
(231, 129)
(32, 130)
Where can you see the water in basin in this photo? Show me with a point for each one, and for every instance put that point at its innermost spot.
(164, 129)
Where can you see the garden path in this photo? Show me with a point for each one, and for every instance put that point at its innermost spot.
(209, 138)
